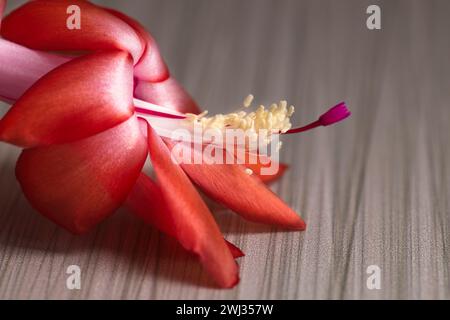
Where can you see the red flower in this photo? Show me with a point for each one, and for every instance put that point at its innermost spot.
(85, 147)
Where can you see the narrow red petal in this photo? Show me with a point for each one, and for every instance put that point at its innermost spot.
(43, 25)
(229, 185)
(79, 184)
(194, 225)
(168, 93)
(142, 203)
(78, 99)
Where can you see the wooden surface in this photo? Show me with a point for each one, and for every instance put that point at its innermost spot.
(374, 190)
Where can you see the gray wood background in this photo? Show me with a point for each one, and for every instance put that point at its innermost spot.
(374, 190)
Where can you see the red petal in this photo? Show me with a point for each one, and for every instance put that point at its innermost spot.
(147, 202)
(246, 195)
(43, 25)
(194, 225)
(168, 93)
(78, 99)
(79, 184)
(151, 67)
(142, 202)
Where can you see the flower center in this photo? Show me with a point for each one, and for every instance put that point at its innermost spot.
(260, 124)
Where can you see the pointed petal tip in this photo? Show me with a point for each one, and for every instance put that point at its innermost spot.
(162, 215)
(293, 222)
(300, 225)
(235, 251)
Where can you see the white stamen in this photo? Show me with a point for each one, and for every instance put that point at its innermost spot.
(274, 120)
(249, 171)
(291, 111)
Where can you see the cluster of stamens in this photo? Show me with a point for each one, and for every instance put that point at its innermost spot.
(266, 121)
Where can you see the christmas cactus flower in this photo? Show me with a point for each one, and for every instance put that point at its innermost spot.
(91, 103)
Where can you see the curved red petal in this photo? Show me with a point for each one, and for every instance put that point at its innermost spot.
(193, 223)
(168, 93)
(141, 201)
(79, 184)
(78, 99)
(46, 25)
(244, 194)
(231, 186)
(151, 67)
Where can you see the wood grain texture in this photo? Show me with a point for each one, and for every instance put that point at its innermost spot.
(373, 190)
